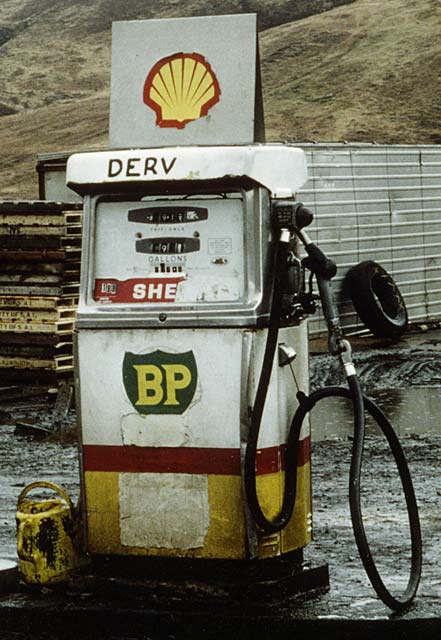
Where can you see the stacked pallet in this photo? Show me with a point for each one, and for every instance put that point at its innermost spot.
(40, 250)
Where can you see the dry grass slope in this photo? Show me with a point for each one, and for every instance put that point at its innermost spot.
(369, 71)
(365, 70)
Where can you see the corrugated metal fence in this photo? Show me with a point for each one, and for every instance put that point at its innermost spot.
(379, 203)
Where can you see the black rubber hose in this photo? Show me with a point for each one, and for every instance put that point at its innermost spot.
(306, 403)
(361, 404)
(282, 519)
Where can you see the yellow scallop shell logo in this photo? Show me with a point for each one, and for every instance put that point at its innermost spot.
(181, 88)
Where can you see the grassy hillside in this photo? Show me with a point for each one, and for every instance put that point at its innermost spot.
(54, 50)
(370, 71)
(364, 70)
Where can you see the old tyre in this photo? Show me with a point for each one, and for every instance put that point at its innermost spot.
(377, 299)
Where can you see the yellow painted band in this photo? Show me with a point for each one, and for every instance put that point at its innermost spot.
(226, 536)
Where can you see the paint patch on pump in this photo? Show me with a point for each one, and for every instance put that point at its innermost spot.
(156, 431)
(168, 511)
(160, 382)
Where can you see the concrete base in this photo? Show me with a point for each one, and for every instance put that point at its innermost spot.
(231, 581)
(114, 611)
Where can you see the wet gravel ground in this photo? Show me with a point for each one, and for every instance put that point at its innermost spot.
(385, 519)
(350, 599)
(24, 459)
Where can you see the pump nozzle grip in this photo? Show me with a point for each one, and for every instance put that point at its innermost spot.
(304, 216)
(318, 262)
(290, 215)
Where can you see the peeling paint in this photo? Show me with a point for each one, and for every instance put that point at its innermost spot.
(154, 431)
(169, 511)
(192, 175)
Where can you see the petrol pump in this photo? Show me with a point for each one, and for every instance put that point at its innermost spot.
(172, 324)
(191, 323)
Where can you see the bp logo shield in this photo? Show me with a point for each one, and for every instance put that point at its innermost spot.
(160, 382)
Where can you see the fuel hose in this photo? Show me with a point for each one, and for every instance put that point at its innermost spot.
(361, 404)
(306, 403)
(289, 496)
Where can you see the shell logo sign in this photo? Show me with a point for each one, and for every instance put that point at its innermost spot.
(181, 88)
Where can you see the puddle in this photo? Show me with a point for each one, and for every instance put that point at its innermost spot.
(405, 383)
(413, 410)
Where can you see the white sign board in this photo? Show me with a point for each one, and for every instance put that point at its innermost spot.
(185, 81)
(279, 168)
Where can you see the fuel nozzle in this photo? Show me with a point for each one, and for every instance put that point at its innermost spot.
(293, 216)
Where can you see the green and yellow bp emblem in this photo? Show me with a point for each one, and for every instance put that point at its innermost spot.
(160, 382)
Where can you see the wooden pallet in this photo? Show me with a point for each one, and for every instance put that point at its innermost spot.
(33, 219)
(64, 291)
(36, 302)
(39, 207)
(60, 328)
(38, 339)
(9, 376)
(36, 351)
(40, 254)
(57, 363)
(41, 316)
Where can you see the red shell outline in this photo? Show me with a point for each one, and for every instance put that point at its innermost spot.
(177, 124)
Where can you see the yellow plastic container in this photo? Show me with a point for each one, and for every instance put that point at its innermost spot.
(47, 536)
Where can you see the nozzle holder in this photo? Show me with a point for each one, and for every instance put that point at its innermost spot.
(286, 214)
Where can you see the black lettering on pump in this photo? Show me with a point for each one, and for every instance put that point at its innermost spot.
(112, 172)
(150, 165)
(168, 245)
(167, 168)
(131, 166)
(168, 214)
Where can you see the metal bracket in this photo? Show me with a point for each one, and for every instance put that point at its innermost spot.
(345, 356)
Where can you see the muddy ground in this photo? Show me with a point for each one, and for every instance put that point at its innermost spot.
(24, 459)
(404, 379)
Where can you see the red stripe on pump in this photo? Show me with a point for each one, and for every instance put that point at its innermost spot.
(192, 460)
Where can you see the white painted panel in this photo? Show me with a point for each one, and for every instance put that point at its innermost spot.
(228, 45)
(281, 168)
(281, 401)
(204, 257)
(213, 417)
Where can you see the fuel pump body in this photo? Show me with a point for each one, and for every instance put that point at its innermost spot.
(175, 300)
(171, 329)
(170, 484)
